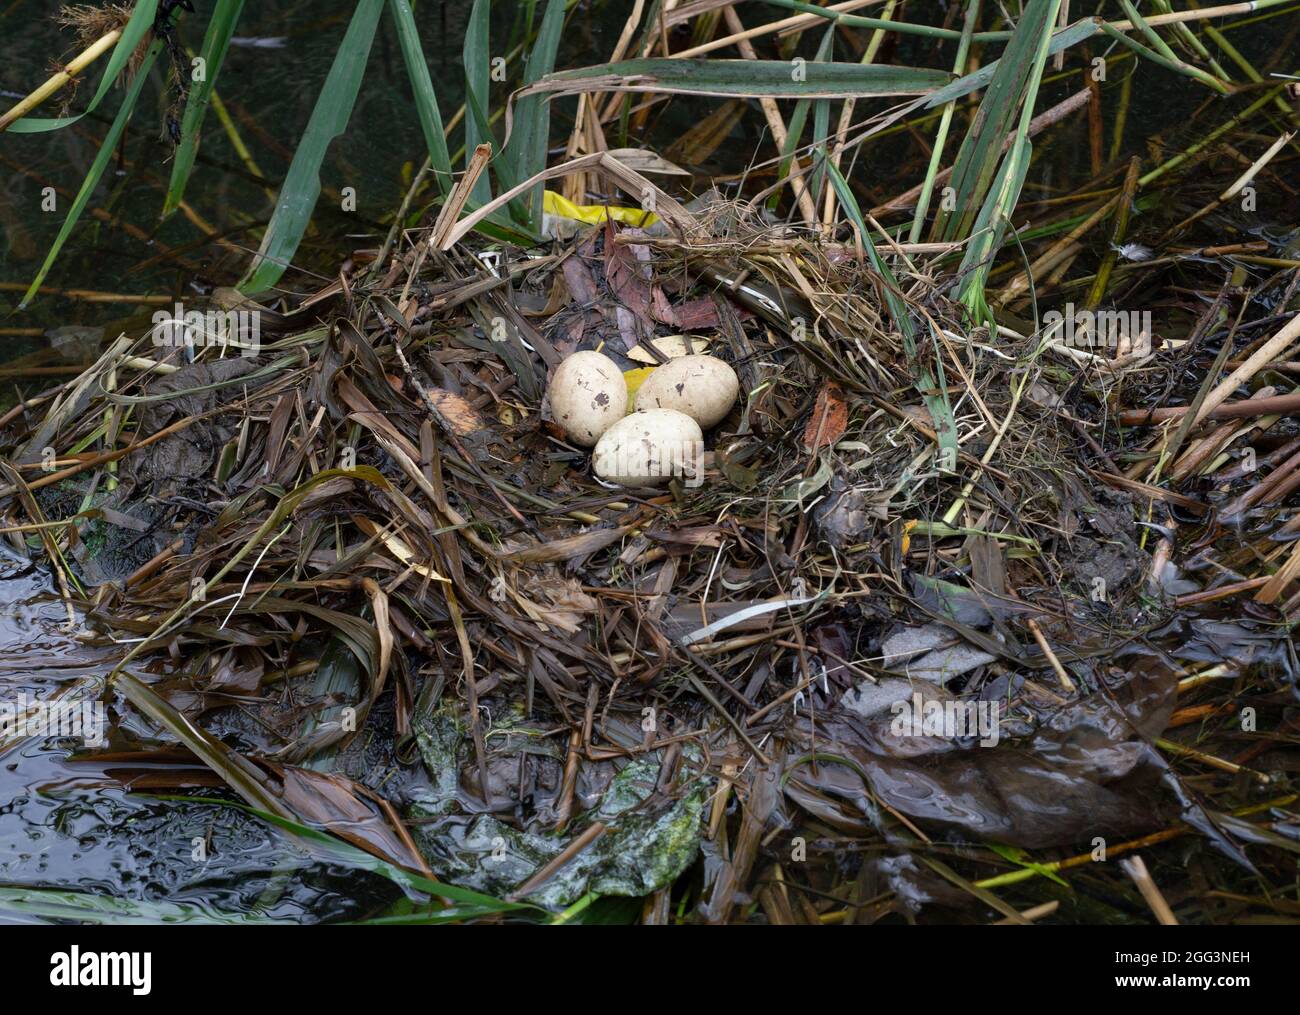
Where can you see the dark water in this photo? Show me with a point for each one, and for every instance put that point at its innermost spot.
(269, 84)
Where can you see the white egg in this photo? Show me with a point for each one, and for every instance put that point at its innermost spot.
(703, 387)
(649, 448)
(588, 395)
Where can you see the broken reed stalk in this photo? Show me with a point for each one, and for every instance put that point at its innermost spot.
(775, 122)
(1057, 668)
(91, 295)
(1137, 870)
(1279, 404)
(1270, 350)
(59, 81)
(790, 24)
(846, 121)
(108, 456)
(1232, 191)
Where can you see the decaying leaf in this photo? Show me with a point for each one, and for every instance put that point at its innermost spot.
(829, 419)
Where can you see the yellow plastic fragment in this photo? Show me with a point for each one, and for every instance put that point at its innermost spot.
(556, 205)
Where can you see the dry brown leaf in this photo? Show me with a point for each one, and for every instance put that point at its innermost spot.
(556, 602)
(571, 546)
(829, 418)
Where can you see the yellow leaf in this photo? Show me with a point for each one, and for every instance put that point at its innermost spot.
(635, 378)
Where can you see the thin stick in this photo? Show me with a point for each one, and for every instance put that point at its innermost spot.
(593, 832)
(446, 220)
(797, 21)
(1280, 405)
(1052, 867)
(90, 295)
(1209, 759)
(1137, 870)
(111, 456)
(1061, 675)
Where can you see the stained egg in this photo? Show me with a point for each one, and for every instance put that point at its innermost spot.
(649, 448)
(703, 387)
(588, 395)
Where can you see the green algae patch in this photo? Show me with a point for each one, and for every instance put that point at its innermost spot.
(650, 837)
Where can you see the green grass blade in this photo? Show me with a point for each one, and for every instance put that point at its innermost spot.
(990, 228)
(426, 100)
(1162, 54)
(96, 170)
(525, 153)
(1079, 32)
(1021, 859)
(987, 229)
(821, 120)
(747, 79)
(478, 53)
(329, 119)
(798, 119)
(1013, 88)
(794, 134)
(1193, 43)
(945, 120)
(215, 44)
(139, 25)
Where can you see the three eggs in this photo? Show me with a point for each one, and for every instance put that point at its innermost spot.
(664, 436)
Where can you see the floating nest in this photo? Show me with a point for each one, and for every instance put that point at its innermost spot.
(360, 578)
